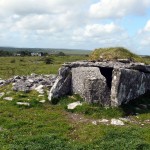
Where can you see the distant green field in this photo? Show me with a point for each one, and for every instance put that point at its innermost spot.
(10, 66)
(48, 50)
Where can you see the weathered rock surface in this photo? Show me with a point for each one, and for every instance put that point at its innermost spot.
(91, 85)
(33, 82)
(117, 122)
(62, 85)
(109, 83)
(23, 103)
(8, 98)
(127, 85)
(74, 105)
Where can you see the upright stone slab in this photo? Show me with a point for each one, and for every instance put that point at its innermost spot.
(62, 85)
(127, 85)
(91, 85)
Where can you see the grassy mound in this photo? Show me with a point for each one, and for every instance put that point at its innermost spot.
(114, 53)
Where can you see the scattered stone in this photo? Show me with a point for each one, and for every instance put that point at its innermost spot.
(30, 80)
(28, 83)
(42, 101)
(40, 89)
(74, 105)
(8, 98)
(94, 122)
(103, 121)
(124, 119)
(2, 82)
(2, 94)
(40, 95)
(117, 122)
(17, 77)
(23, 103)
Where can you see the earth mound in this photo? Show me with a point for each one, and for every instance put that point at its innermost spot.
(114, 53)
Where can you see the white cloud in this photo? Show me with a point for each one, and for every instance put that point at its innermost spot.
(25, 7)
(146, 28)
(66, 23)
(97, 31)
(118, 8)
(142, 39)
(101, 35)
(144, 35)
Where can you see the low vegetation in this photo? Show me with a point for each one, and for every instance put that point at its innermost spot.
(44, 126)
(115, 53)
(10, 66)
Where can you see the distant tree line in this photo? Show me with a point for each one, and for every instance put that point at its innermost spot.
(5, 53)
(27, 53)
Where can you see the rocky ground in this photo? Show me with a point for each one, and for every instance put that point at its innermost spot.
(33, 82)
(43, 83)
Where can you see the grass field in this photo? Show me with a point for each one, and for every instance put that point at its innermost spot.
(46, 126)
(10, 66)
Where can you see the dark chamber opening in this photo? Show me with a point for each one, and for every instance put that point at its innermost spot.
(107, 73)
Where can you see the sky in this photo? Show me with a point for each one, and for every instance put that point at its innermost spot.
(76, 24)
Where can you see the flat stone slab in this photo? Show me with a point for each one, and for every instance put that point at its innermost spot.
(117, 122)
(110, 64)
(74, 105)
(8, 98)
(42, 101)
(23, 103)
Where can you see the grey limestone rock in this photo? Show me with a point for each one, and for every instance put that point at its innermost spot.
(74, 105)
(127, 85)
(117, 122)
(33, 82)
(109, 83)
(91, 85)
(62, 85)
(8, 98)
